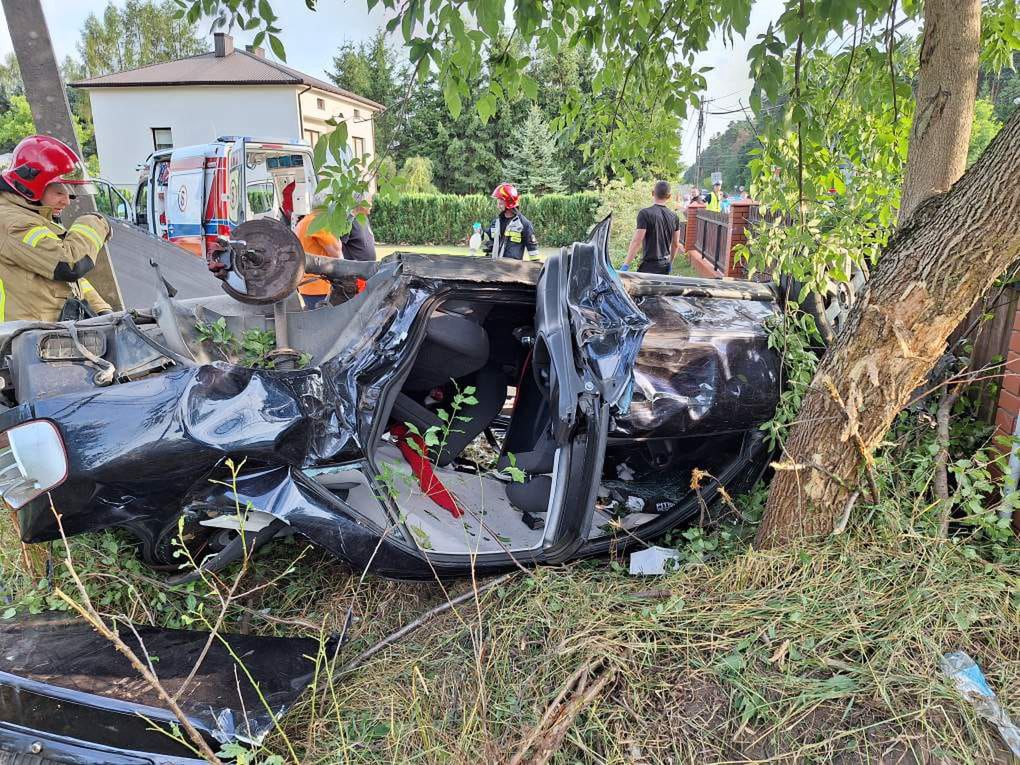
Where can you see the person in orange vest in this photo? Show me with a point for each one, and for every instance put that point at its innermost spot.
(42, 264)
(315, 290)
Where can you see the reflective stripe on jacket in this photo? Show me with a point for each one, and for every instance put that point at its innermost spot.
(31, 246)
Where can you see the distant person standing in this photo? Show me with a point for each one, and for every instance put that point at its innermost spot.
(475, 241)
(657, 232)
(511, 233)
(715, 198)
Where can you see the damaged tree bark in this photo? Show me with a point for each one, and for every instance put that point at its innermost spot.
(933, 270)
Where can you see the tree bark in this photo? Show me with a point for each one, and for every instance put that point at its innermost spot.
(947, 87)
(936, 266)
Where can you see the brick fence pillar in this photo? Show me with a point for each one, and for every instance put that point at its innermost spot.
(739, 212)
(692, 224)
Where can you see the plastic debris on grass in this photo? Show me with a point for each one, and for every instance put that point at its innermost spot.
(970, 683)
(652, 561)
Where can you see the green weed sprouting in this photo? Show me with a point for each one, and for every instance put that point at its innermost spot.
(253, 349)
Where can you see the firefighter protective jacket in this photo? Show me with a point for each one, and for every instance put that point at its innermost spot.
(31, 246)
(517, 235)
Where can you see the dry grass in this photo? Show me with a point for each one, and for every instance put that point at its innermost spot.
(828, 654)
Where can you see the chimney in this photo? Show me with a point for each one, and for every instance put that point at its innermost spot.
(256, 51)
(224, 44)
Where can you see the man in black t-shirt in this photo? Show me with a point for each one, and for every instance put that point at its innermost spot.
(658, 230)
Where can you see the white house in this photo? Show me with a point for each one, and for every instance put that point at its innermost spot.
(226, 92)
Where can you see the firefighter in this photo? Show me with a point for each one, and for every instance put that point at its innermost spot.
(511, 233)
(42, 264)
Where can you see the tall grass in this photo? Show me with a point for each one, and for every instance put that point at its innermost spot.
(826, 654)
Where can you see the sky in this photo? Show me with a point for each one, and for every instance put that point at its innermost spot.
(312, 38)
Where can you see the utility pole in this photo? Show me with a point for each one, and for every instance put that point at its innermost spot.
(697, 156)
(51, 113)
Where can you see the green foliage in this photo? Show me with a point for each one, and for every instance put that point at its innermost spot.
(253, 349)
(16, 123)
(345, 177)
(559, 219)
(729, 153)
(983, 130)
(831, 166)
(980, 508)
(218, 334)
(623, 200)
(372, 69)
(10, 76)
(1000, 34)
(417, 175)
(133, 34)
(792, 335)
(256, 345)
(532, 164)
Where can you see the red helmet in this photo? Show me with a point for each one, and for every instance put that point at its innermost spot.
(40, 160)
(508, 193)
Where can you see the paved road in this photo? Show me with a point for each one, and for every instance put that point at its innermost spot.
(131, 249)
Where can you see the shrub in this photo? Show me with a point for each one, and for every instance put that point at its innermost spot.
(622, 201)
(409, 219)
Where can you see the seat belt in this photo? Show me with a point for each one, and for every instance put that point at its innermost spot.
(415, 456)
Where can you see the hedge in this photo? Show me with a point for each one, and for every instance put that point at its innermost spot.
(559, 219)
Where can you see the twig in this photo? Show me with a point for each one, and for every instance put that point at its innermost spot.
(840, 526)
(545, 738)
(941, 480)
(846, 77)
(89, 613)
(420, 621)
(796, 95)
(891, 46)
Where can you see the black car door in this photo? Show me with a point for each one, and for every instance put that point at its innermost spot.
(588, 333)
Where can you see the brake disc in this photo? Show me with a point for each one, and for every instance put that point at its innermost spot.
(267, 262)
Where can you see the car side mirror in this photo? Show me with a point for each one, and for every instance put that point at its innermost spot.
(261, 263)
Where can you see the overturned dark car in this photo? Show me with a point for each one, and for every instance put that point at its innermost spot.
(594, 393)
(454, 413)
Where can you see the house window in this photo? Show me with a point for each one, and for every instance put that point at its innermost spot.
(312, 136)
(357, 115)
(320, 104)
(162, 138)
(358, 144)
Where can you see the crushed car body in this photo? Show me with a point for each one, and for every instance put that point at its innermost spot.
(605, 390)
(592, 397)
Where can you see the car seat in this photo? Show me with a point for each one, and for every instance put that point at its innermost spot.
(457, 349)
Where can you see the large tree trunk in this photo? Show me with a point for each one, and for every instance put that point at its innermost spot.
(947, 87)
(933, 271)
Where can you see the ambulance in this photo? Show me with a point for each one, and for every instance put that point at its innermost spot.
(191, 195)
